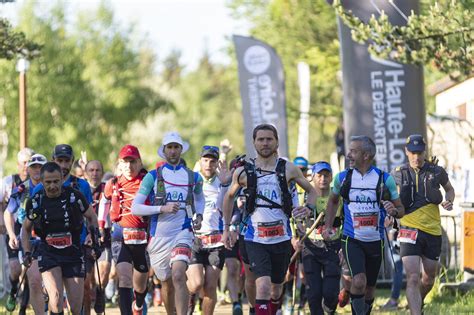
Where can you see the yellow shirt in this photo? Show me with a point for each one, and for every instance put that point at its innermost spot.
(426, 219)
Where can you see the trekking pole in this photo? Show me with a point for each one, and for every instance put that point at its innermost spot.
(308, 233)
(391, 250)
(293, 294)
(99, 305)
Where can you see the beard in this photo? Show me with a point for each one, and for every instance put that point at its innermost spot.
(266, 153)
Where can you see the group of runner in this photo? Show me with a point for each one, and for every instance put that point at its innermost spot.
(182, 227)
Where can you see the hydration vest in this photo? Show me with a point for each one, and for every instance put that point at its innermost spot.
(408, 188)
(116, 206)
(251, 194)
(68, 218)
(160, 191)
(381, 190)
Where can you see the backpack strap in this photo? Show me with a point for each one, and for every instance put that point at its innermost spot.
(287, 202)
(16, 180)
(190, 208)
(250, 192)
(74, 182)
(160, 191)
(346, 186)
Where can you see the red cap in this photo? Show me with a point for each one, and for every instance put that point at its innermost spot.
(130, 151)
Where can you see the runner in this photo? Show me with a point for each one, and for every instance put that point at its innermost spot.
(57, 215)
(366, 191)
(132, 265)
(177, 210)
(420, 230)
(93, 172)
(15, 214)
(207, 258)
(320, 258)
(269, 205)
(8, 185)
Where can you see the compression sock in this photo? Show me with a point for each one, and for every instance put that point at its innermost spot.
(125, 300)
(14, 284)
(140, 298)
(357, 304)
(262, 307)
(368, 306)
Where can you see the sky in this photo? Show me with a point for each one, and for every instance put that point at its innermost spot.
(191, 26)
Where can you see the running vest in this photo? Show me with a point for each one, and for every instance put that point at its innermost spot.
(119, 203)
(22, 194)
(408, 186)
(251, 192)
(161, 196)
(362, 196)
(58, 227)
(268, 223)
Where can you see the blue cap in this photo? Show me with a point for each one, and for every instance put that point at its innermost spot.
(301, 162)
(320, 166)
(415, 143)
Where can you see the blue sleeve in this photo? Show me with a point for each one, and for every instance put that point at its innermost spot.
(198, 181)
(392, 186)
(146, 186)
(86, 190)
(336, 183)
(37, 188)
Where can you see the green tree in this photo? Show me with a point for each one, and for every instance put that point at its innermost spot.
(14, 44)
(443, 36)
(91, 81)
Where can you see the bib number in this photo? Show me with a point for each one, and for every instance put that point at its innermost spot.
(211, 240)
(366, 221)
(59, 240)
(317, 234)
(271, 230)
(134, 236)
(406, 235)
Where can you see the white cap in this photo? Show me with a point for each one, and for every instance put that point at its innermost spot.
(37, 159)
(172, 137)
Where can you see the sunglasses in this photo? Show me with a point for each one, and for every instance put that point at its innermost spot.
(37, 159)
(211, 148)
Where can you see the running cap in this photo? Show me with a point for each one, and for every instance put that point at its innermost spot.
(415, 143)
(25, 154)
(63, 150)
(37, 159)
(172, 137)
(301, 162)
(320, 166)
(210, 150)
(129, 151)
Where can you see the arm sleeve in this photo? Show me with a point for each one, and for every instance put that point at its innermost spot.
(392, 187)
(138, 204)
(336, 184)
(104, 208)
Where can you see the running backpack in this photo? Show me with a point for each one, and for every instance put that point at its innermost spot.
(116, 202)
(381, 190)
(251, 194)
(160, 191)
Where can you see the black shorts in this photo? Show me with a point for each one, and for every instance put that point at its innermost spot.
(270, 260)
(72, 266)
(233, 252)
(243, 251)
(363, 257)
(208, 257)
(427, 245)
(327, 257)
(134, 254)
(13, 253)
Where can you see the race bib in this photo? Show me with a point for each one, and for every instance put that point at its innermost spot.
(211, 240)
(317, 234)
(406, 235)
(134, 236)
(270, 230)
(365, 220)
(181, 253)
(59, 240)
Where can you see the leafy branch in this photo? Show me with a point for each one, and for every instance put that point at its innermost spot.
(13, 44)
(443, 37)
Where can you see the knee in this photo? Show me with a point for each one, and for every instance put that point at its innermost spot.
(413, 280)
(194, 284)
(178, 276)
(263, 288)
(359, 282)
(428, 280)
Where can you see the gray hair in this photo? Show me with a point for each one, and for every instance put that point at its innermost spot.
(368, 145)
(25, 154)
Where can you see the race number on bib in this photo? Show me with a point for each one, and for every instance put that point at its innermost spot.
(366, 220)
(134, 236)
(59, 240)
(270, 230)
(211, 239)
(406, 235)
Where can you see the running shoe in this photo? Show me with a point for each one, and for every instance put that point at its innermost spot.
(11, 303)
(136, 310)
(343, 298)
(237, 309)
(99, 305)
(390, 305)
